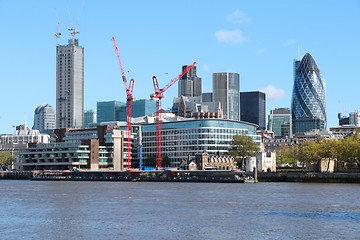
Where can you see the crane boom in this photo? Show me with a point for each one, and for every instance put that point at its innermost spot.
(129, 98)
(158, 95)
(174, 80)
(120, 64)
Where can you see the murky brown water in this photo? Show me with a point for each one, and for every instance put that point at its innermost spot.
(136, 210)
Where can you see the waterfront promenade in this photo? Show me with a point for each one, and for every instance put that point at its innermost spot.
(183, 176)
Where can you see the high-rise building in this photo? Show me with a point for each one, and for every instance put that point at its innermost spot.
(207, 97)
(44, 118)
(89, 119)
(308, 106)
(110, 111)
(253, 108)
(190, 84)
(70, 84)
(280, 123)
(143, 107)
(226, 90)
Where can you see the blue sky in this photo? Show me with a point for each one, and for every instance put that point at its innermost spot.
(258, 39)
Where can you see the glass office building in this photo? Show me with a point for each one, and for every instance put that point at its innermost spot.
(109, 111)
(141, 107)
(226, 90)
(253, 108)
(280, 122)
(308, 107)
(182, 139)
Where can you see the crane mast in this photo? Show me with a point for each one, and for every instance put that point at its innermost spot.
(158, 95)
(129, 98)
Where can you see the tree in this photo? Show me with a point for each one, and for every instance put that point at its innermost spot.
(241, 147)
(151, 162)
(310, 153)
(5, 158)
(287, 154)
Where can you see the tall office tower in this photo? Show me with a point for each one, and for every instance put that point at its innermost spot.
(308, 106)
(44, 118)
(110, 111)
(253, 108)
(89, 119)
(279, 122)
(190, 84)
(226, 90)
(207, 97)
(70, 84)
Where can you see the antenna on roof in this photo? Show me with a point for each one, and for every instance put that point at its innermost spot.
(72, 29)
(58, 34)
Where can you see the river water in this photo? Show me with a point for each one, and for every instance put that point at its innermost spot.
(145, 210)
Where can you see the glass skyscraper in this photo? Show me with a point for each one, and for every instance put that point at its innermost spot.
(253, 108)
(226, 90)
(308, 106)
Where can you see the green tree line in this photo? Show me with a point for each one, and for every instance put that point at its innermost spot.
(346, 150)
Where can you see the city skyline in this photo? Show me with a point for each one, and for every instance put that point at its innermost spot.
(255, 39)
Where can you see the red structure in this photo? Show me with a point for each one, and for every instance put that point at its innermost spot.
(158, 95)
(129, 98)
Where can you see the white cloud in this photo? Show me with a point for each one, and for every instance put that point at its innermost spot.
(232, 36)
(273, 93)
(238, 17)
(289, 42)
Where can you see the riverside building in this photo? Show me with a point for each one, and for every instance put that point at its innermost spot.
(100, 148)
(183, 137)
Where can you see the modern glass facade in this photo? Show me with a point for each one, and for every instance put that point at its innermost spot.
(109, 111)
(143, 107)
(181, 139)
(308, 107)
(89, 119)
(226, 90)
(253, 108)
(280, 122)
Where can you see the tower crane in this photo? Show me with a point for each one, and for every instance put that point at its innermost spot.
(158, 95)
(129, 98)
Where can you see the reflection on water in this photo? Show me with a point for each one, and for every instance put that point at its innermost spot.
(136, 210)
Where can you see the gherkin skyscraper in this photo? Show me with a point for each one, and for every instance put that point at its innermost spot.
(308, 106)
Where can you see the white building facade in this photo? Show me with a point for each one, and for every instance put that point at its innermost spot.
(70, 85)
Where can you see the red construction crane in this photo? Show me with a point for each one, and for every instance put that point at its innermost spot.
(158, 95)
(129, 98)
